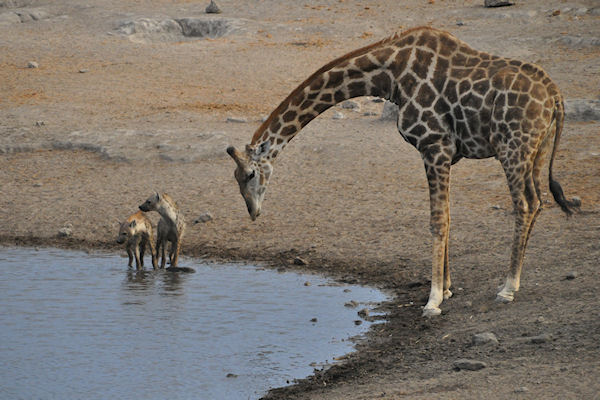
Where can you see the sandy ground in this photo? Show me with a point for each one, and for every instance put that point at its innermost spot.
(109, 116)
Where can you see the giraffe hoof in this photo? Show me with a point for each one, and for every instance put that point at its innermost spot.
(447, 294)
(504, 297)
(431, 312)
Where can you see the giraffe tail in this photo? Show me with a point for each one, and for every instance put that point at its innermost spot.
(568, 206)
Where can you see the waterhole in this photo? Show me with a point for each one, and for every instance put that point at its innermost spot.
(77, 325)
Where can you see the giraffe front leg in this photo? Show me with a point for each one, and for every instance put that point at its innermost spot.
(438, 177)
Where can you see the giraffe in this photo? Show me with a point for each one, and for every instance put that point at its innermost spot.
(453, 102)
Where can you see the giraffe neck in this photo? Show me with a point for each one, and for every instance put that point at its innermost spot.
(370, 71)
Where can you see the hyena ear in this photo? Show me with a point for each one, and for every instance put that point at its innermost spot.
(157, 196)
(133, 224)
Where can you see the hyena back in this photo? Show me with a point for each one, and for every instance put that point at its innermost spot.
(171, 226)
(136, 232)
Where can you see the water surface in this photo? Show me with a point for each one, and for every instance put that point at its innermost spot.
(75, 326)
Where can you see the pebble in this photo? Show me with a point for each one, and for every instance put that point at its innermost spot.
(469, 365)
(357, 322)
(484, 338)
(521, 389)
(39, 123)
(230, 375)
(350, 105)
(571, 275)
(32, 64)
(351, 304)
(65, 232)
(364, 313)
(497, 3)
(307, 283)
(237, 120)
(213, 8)
(204, 218)
(83, 71)
(338, 115)
(300, 261)
(313, 320)
(543, 338)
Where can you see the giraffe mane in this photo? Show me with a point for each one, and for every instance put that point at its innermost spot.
(324, 68)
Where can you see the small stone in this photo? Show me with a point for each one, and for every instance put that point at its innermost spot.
(300, 261)
(338, 115)
(369, 114)
(65, 232)
(497, 3)
(212, 8)
(237, 120)
(460, 23)
(390, 111)
(83, 70)
(307, 283)
(350, 105)
(313, 320)
(204, 218)
(543, 338)
(521, 389)
(364, 313)
(496, 207)
(484, 338)
(39, 123)
(32, 64)
(37, 185)
(357, 322)
(351, 304)
(469, 365)
(571, 275)
(230, 375)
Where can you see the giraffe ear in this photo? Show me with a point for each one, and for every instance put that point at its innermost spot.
(257, 152)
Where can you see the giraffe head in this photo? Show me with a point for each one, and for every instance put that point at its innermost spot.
(252, 174)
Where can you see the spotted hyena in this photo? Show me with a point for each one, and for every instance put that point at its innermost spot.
(171, 226)
(136, 232)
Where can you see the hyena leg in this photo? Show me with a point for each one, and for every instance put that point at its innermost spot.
(175, 251)
(142, 251)
(154, 253)
(138, 264)
(130, 254)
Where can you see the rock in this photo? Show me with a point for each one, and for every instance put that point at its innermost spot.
(237, 120)
(83, 70)
(32, 64)
(364, 313)
(204, 218)
(307, 283)
(543, 338)
(350, 105)
(497, 3)
(571, 275)
(313, 320)
(300, 261)
(39, 123)
(390, 111)
(351, 304)
(204, 27)
(230, 375)
(369, 114)
(338, 115)
(67, 231)
(484, 338)
(212, 8)
(582, 109)
(521, 389)
(469, 365)
(357, 322)
(9, 18)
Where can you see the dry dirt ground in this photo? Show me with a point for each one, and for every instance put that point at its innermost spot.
(111, 115)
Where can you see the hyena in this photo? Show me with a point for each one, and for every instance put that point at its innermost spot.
(136, 232)
(171, 226)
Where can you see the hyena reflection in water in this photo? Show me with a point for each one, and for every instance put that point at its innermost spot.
(136, 232)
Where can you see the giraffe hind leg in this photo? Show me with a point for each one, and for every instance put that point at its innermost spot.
(524, 189)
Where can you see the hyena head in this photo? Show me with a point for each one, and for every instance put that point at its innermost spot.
(126, 231)
(151, 204)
